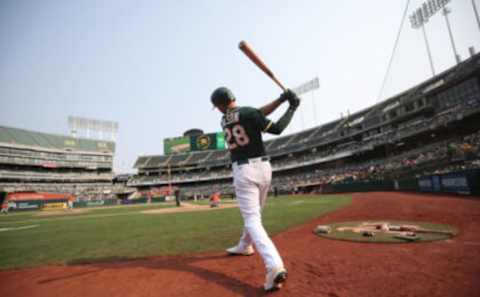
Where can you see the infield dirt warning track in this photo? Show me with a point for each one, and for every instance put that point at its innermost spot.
(317, 266)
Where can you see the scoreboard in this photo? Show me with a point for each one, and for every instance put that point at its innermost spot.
(176, 145)
(185, 144)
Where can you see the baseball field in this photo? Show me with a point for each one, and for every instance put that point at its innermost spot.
(122, 232)
(158, 251)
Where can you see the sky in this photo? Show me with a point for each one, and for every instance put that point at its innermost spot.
(152, 65)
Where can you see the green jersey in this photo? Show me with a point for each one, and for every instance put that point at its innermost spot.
(243, 127)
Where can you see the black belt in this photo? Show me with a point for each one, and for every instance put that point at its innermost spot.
(252, 160)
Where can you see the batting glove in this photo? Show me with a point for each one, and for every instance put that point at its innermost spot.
(293, 100)
(286, 95)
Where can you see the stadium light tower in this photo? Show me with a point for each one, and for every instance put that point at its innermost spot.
(417, 21)
(306, 87)
(432, 68)
(421, 16)
(445, 13)
(83, 127)
(475, 11)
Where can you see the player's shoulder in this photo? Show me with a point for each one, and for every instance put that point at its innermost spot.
(248, 111)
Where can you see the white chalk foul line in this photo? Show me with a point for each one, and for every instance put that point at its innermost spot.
(17, 228)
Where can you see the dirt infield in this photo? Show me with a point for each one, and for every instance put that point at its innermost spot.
(61, 212)
(188, 207)
(317, 266)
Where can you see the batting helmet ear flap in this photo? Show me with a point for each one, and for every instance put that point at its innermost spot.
(222, 96)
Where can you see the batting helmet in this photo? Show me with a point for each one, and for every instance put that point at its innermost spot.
(222, 96)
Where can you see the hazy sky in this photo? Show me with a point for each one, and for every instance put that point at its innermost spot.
(152, 65)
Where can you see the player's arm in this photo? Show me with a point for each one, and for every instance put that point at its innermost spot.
(282, 123)
(272, 106)
(278, 127)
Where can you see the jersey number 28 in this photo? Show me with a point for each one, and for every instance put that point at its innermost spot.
(236, 136)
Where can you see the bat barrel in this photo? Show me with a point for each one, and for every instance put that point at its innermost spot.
(248, 51)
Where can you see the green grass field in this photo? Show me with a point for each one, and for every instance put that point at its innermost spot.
(124, 232)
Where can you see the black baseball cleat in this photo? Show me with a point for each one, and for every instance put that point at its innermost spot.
(274, 279)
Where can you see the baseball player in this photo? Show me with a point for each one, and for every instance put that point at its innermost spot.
(177, 197)
(5, 207)
(252, 174)
(215, 200)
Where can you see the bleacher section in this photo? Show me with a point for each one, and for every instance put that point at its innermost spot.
(177, 159)
(43, 141)
(444, 110)
(35, 158)
(196, 157)
(218, 157)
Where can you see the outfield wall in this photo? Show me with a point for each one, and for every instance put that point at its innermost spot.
(466, 182)
(38, 204)
(95, 203)
(462, 182)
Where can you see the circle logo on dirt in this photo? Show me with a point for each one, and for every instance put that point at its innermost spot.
(386, 231)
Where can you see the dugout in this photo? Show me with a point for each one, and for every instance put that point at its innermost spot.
(39, 200)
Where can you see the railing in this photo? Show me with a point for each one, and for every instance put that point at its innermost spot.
(29, 175)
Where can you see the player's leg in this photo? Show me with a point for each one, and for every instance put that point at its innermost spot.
(245, 239)
(265, 181)
(264, 186)
(246, 179)
(244, 246)
(278, 274)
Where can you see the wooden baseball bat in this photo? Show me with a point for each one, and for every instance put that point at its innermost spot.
(248, 51)
(424, 230)
(445, 232)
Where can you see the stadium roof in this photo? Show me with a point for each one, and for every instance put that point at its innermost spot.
(19, 138)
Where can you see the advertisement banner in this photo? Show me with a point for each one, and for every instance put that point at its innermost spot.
(462, 182)
(95, 203)
(425, 184)
(57, 205)
(455, 183)
(436, 183)
(27, 205)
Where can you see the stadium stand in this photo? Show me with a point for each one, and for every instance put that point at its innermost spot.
(432, 127)
(196, 157)
(41, 162)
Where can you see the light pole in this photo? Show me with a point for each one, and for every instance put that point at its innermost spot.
(476, 13)
(428, 50)
(305, 88)
(445, 13)
(315, 122)
(421, 16)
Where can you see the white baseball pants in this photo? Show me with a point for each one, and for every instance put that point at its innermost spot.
(252, 182)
